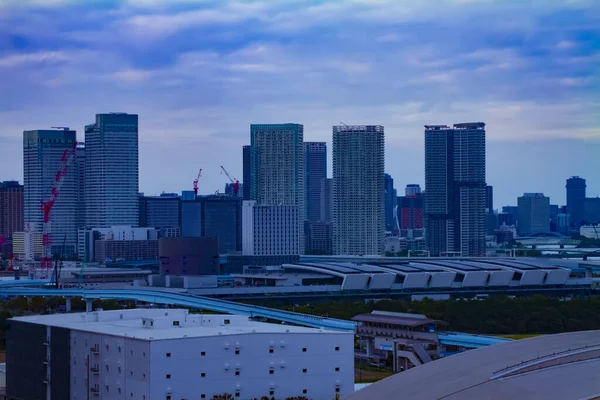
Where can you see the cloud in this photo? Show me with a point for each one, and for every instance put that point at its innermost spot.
(200, 71)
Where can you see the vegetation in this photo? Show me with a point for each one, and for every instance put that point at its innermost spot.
(494, 315)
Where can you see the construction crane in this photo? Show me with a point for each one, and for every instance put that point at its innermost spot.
(196, 182)
(234, 182)
(63, 169)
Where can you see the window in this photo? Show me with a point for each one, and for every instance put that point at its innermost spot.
(106, 367)
(271, 392)
(226, 322)
(304, 349)
(337, 348)
(271, 371)
(237, 394)
(202, 396)
(304, 391)
(203, 374)
(175, 323)
(237, 373)
(337, 369)
(203, 353)
(271, 351)
(168, 354)
(337, 390)
(168, 397)
(119, 390)
(168, 376)
(119, 369)
(107, 388)
(304, 370)
(119, 349)
(237, 352)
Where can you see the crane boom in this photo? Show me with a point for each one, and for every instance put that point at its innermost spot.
(196, 182)
(46, 207)
(235, 182)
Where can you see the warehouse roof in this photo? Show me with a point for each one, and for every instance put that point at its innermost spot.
(563, 366)
(402, 319)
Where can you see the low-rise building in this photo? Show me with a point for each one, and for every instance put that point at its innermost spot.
(170, 354)
(189, 256)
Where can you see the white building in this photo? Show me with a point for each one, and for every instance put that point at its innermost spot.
(269, 230)
(155, 354)
(358, 190)
(27, 246)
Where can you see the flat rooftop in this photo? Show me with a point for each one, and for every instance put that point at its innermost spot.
(163, 324)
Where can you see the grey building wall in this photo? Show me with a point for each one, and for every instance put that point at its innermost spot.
(358, 190)
(189, 256)
(316, 170)
(277, 168)
(80, 184)
(25, 357)
(112, 171)
(327, 200)
(160, 211)
(60, 362)
(576, 189)
(534, 214)
(42, 153)
(592, 210)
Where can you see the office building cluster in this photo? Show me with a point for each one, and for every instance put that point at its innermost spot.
(286, 204)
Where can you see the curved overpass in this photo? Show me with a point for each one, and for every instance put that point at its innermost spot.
(204, 303)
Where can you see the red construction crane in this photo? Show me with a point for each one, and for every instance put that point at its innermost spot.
(63, 170)
(196, 182)
(235, 182)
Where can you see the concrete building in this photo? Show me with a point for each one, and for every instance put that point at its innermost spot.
(592, 210)
(157, 354)
(117, 242)
(489, 199)
(112, 171)
(358, 190)
(576, 200)
(410, 211)
(189, 256)
(412, 189)
(162, 212)
(391, 199)
(319, 237)
(534, 214)
(11, 208)
(455, 189)
(277, 169)
(80, 184)
(246, 167)
(315, 164)
(269, 229)
(214, 216)
(411, 339)
(42, 153)
(327, 200)
(27, 246)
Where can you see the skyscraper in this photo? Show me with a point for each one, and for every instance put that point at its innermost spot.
(489, 199)
(534, 214)
(246, 184)
(455, 188)
(11, 208)
(42, 153)
(390, 202)
(412, 189)
(358, 190)
(576, 200)
(80, 183)
(277, 169)
(315, 163)
(112, 171)
(327, 200)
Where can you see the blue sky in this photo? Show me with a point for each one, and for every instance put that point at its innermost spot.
(200, 72)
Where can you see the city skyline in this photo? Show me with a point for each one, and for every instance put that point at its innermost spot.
(190, 69)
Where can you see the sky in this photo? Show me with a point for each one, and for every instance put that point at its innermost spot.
(199, 72)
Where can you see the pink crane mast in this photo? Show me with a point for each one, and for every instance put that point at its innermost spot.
(46, 207)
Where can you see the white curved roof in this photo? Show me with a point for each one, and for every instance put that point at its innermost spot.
(564, 366)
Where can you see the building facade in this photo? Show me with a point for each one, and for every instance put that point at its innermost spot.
(112, 171)
(319, 237)
(160, 211)
(214, 216)
(412, 189)
(576, 200)
(489, 199)
(455, 189)
(189, 256)
(171, 354)
(410, 211)
(42, 154)
(11, 208)
(534, 214)
(246, 172)
(327, 200)
(592, 210)
(315, 163)
(277, 169)
(269, 230)
(391, 199)
(358, 190)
